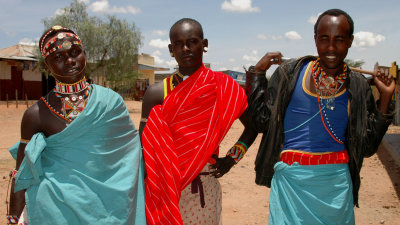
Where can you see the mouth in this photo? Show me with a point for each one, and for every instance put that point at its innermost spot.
(331, 57)
(187, 57)
(72, 70)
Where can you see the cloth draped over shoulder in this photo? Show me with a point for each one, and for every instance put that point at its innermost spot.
(181, 135)
(89, 173)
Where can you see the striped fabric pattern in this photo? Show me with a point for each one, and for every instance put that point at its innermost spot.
(181, 135)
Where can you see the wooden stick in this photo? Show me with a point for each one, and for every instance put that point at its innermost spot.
(362, 71)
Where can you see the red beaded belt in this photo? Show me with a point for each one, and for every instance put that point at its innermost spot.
(308, 158)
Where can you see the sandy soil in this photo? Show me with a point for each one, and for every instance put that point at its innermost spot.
(244, 202)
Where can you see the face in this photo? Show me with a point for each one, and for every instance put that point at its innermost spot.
(187, 45)
(67, 65)
(333, 41)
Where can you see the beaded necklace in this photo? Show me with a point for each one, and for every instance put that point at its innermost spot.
(328, 86)
(73, 103)
(176, 78)
(71, 88)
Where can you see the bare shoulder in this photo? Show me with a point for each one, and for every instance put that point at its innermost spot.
(31, 121)
(154, 96)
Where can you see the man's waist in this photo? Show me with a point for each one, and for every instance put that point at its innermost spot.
(313, 158)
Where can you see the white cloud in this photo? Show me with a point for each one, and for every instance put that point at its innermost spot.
(364, 39)
(159, 43)
(222, 69)
(292, 35)
(232, 60)
(171, 63)
(241, 6)
(84, 1)
(313, 19)
(159, 32)
(268, 36)
(103, 6)
(253, 57)
(27, 41)
(58, 12)
(236, 68)
(157, 53)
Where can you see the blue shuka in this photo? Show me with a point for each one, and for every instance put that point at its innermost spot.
(89, 173)
(316, 194)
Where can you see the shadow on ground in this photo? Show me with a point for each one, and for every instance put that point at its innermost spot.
(391, 167)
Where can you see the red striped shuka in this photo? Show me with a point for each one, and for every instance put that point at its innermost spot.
(181, 135)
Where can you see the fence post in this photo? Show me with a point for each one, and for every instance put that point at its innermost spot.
(26, 101)
(16, 98)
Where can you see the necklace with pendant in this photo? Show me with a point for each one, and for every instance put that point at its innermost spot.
(326, 86)
(329, 86)
(73, 99)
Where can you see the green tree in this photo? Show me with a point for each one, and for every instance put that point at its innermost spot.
(354, 63)
(111, 44)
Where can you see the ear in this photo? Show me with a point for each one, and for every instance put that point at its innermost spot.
(315, 39)
(170, 50)
(205, 43)
(351, 41)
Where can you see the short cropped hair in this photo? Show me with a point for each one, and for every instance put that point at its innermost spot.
(335, 12)
(187, 20)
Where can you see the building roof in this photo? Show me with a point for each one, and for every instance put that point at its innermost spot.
(18, 52)
(150, 67)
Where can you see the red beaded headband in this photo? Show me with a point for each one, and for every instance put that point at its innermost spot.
(45, 51)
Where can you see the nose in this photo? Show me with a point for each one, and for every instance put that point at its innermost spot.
(70, 61)
(331, 46)
(186, 47)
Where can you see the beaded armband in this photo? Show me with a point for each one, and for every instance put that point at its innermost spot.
(24, 141)
(143, 120)
(11, 220)
(237, 151)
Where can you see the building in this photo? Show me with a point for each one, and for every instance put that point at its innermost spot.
(146, 69)
(239, 77)
(20, 77)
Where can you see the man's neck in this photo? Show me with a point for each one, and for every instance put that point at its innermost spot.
(334, 72)
(188, 71)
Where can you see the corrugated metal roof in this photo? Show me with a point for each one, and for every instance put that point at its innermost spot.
(148, 67)
(18, 52)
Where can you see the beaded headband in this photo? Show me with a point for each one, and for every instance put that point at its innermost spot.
(45, 48)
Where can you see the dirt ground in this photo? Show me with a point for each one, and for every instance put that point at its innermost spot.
(244, 203)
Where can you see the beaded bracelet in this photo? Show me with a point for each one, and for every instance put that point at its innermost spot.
(13, 173)
(11, 220)
(237, 151)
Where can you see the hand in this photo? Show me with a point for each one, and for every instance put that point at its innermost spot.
(222, 166)
(385, 84)
(267, 60)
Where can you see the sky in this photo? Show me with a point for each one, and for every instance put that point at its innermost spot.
(239, 32)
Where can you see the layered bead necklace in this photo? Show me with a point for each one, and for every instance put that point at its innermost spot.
(175, 77)
(327, 87)
(73, 98)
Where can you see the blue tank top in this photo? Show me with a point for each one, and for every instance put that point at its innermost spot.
(312, 135)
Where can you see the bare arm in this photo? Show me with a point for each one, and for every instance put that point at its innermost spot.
(153, 96)
(223, 165)
(29, 126)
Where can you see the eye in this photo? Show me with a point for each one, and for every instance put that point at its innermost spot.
(58, 57)
(177, 44)
(75, 52)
